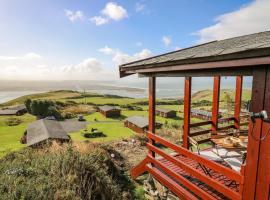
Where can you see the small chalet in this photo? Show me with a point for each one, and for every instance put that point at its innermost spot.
(202, 114)
(167, 113)
(109, 111)
(15, 110)
(43, 130)
(138, 124)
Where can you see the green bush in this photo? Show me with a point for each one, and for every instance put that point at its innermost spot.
(62, 174)
(13, 121)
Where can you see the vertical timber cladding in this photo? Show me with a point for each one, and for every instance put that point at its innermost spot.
(187, 102)
(263, 180)
(253, 150)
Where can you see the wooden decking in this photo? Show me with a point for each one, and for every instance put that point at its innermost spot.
(214, 175)
(184, 173)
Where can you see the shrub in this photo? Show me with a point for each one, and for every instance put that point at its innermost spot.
(63, 172)
(13, 121)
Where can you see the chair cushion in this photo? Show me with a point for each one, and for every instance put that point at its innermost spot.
(210, 155)
(235, 163)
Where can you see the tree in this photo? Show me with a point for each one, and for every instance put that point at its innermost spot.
(27, 104)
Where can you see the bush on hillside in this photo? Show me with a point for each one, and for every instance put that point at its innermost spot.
(58, 172)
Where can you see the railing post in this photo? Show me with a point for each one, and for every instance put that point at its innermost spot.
(152, 107)
(238, 98)
(187, 102)
(215, 103)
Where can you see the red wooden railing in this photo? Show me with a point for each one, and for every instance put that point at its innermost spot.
(229, 173)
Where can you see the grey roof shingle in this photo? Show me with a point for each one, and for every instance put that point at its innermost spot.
(108, 108)
(139, 121)
(43, 129)
(247, 46)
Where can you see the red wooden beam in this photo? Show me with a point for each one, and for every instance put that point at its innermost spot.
(152, 107)
(238, 98)
(253, 149)
(197, 174)
(231, 174)
(215, 103)
(195, 189)
(187, 103)
(263, 179)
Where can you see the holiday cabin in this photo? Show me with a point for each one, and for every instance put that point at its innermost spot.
(189, 174)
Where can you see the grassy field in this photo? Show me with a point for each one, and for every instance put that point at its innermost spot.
(10, 135)
(113, 131)
(113, 128)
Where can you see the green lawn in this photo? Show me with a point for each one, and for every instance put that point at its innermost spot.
(10, 135)
(99, 117)
(113, 131)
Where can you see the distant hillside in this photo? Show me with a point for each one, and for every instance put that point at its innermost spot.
(60, 94)
(208, 95)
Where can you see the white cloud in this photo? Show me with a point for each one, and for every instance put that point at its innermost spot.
(107, 50)
(32, 66)
(177, 48)
(251, 18)
(139, 7)
(98, 20)
(111, 11)
(114, 11)
(166, 40)
(74, 15)
(89, 65)
(120, 57)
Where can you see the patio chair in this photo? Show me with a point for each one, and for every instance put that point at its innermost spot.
(206, 153)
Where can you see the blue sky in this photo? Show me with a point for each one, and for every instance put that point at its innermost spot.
(87, 39)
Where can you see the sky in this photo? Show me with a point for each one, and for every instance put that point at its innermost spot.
(88, 39)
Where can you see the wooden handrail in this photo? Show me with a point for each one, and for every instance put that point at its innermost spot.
(225, 127)
(227, 119)
(200, 124)
(201, 176)
(200, 132)
(231, 174)
(195, 189)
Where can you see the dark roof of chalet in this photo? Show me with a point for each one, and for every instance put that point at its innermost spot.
(106, 108)
(164, 110)
(43, 129)
(12, 110)
(247, 46)
(139, 121)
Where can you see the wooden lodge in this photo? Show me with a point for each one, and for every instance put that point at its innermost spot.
(14, 110)
(202, 114)
(45, 130)
(109, 111)
(207, 174)
(138, 124)
(164, 112)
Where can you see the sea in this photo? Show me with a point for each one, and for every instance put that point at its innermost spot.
(134, 88)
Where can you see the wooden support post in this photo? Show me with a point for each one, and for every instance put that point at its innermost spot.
(152, 108)
(238, 99)
(255, 131)
(215, 103)
(263, 179)
(187, 102)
